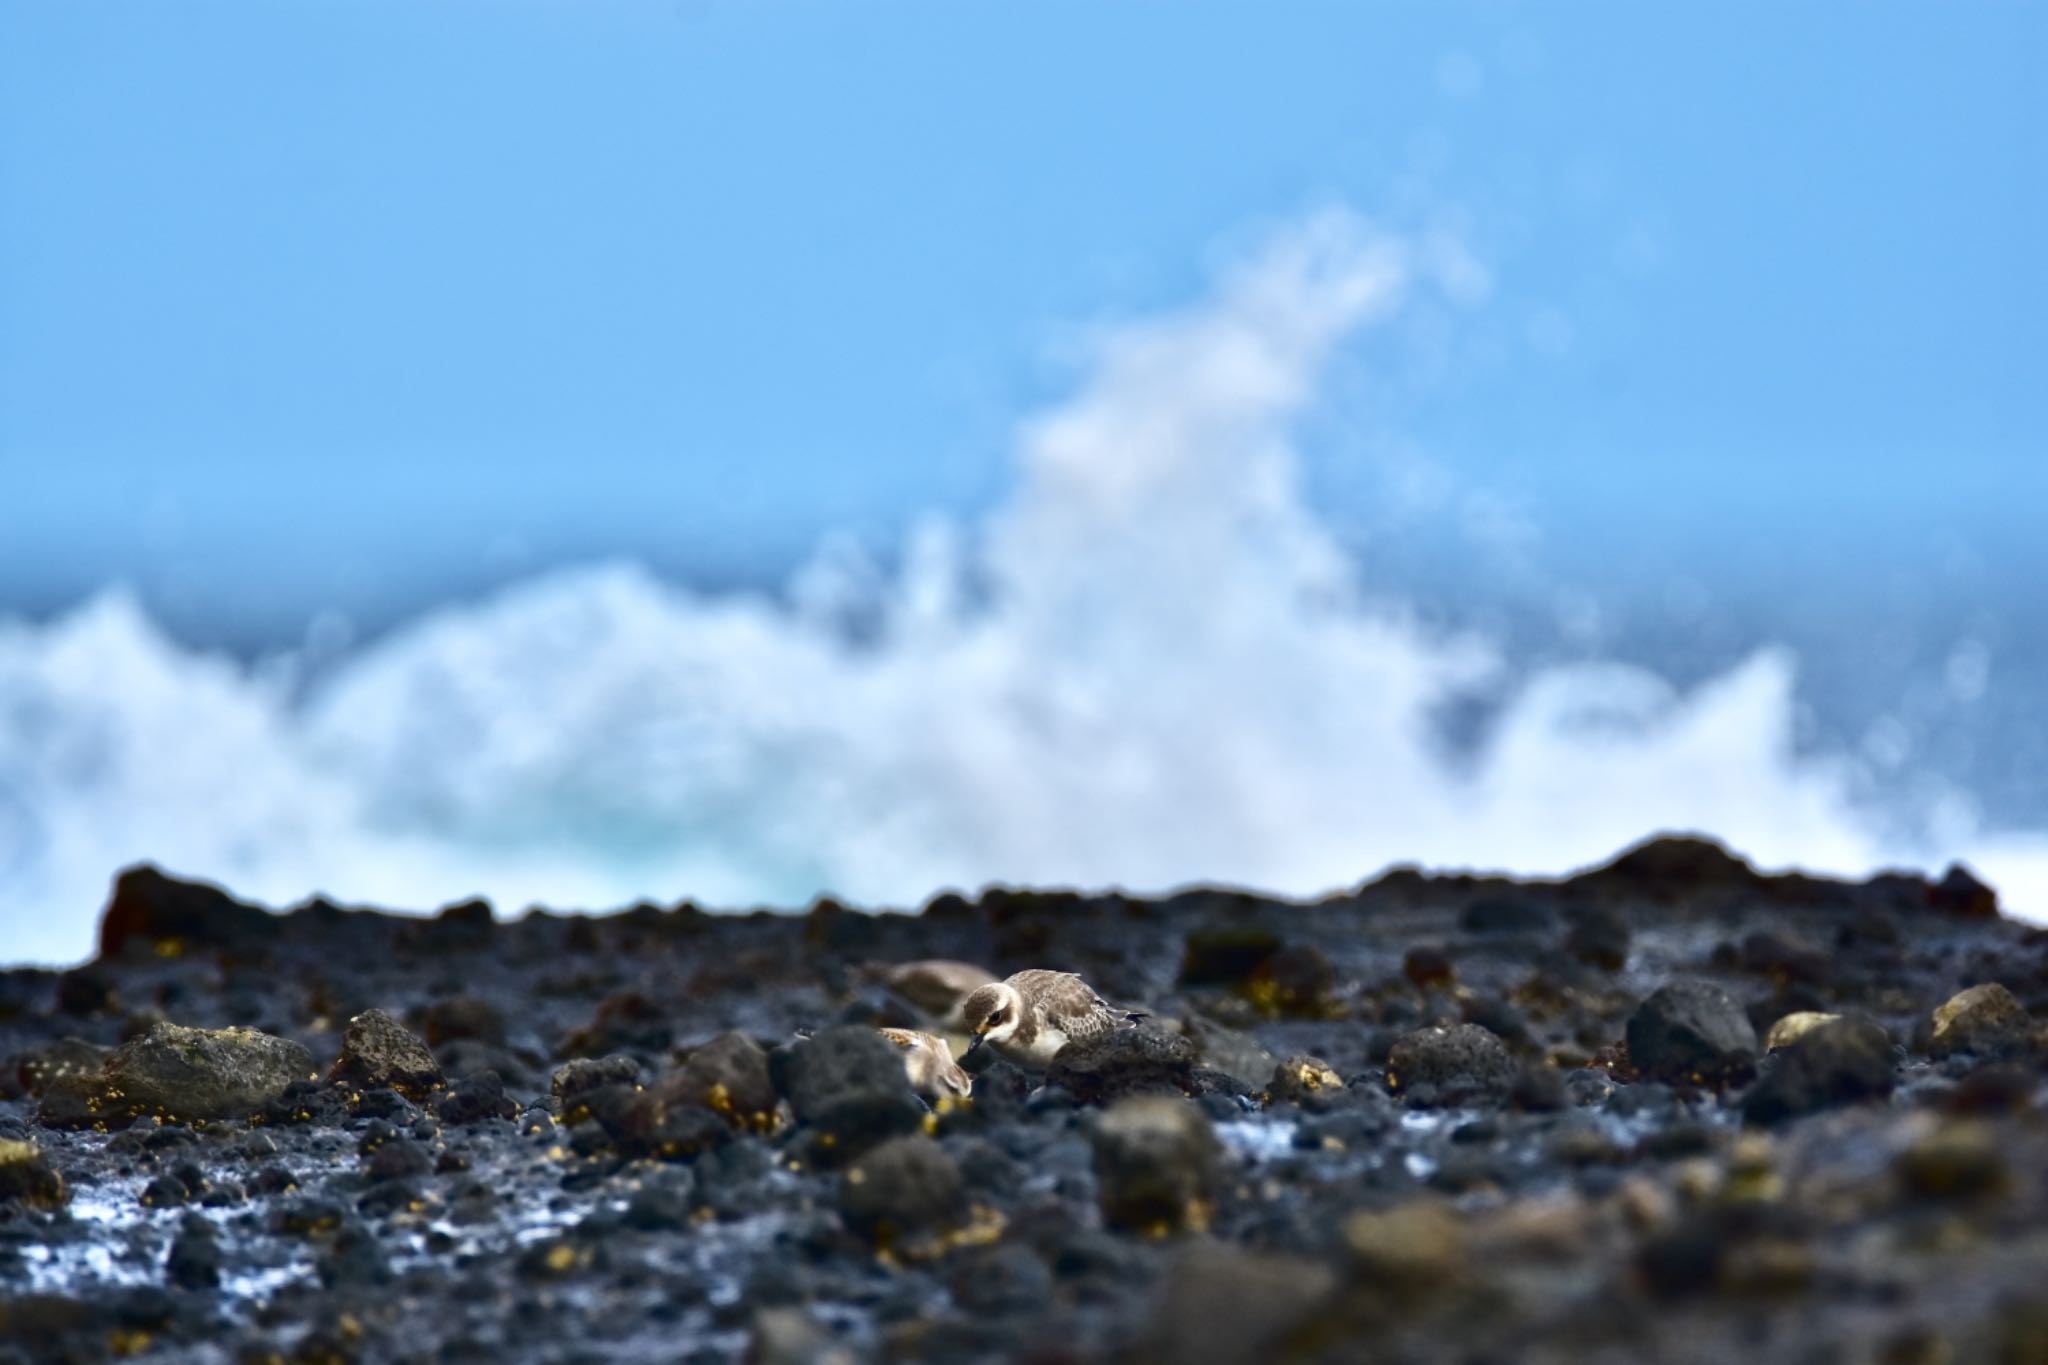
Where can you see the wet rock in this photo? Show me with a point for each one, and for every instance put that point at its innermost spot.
(1959, 1160)
(67, 1060)
(1236, 1054)
(573, 1080)
(1490, 915)
(1124, 1062)
(1226, 955)
(399, 1158)
(462, 1017)
(903, 1195)
(1599, 937)
(175, 1072)
(849, 1085)
(1691, 1032)
(194, 1259)
(1304, 1080)
(1539, 1089)
(1841, 1061)
(1219, 1305)
(1413, 1248)
(1462, 1064)
(1984, 1020)
(476, 1098)
(172, 916)
(729, 1076)
(791, 1336)
(1156, 1165)
(27, 1178)
(1959, 893)
(379, 1052)
(1792, 1027)
(1429, 967)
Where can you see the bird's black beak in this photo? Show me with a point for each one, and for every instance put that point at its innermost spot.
(975, 1046)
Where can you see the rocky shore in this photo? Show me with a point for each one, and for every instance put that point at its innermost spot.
(1667, 1110)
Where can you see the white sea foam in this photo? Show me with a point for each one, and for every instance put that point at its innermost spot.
(1151, 665)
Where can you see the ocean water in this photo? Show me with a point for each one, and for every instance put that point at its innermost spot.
(1151, 664)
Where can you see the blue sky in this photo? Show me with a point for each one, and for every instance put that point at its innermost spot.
(356, 306)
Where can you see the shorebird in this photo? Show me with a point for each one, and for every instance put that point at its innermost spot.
(1031, 1016)
(929, 1063)
(935, 987)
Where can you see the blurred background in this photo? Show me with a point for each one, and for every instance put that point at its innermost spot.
(746, 451)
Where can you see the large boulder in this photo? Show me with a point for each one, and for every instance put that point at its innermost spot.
(172, 916)
(173, 1072)
(1693, 1033)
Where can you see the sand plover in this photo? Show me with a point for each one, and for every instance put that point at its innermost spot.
(935, 987)
(1030, 1017)
(929, 1063)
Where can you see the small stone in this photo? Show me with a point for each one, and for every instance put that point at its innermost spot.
(398, 1158)
(1691, 1032)
(1461, 1064)
(1429, 966)
(1836, 1062)
(194, 1259)
(1539, 1090)
(1985, 1020)
(1795, 1026)
(27, 1178)
(379, 1052)
(1156, 1165)
(1417, 1247)
(573, 1080)
(1303, 1079)
(475, 1098)
(791, 1336)
(903, 1194)
(1599, 938)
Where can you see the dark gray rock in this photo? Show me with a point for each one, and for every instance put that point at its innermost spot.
(903, 1194)
(573, 1080)
(1843, 1061)
(729, 1076)
(1462, 1064)
(848, 1084)
(1692, 1032)
(378, 1052)
(1156, 1165)
(1124, 1062)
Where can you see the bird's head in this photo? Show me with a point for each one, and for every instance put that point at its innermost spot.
(994, 1013)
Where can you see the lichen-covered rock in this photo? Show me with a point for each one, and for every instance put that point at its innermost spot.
(1462, 1064)
(379, 1052)
(1692, 1032)
(1985, 1020)
(729, 1076)
(1303, 1079)
(1836, 1062)
(903, 1194)
(26, 1177)
(573, 1080)
(1156, 1165)
(173, 1072)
